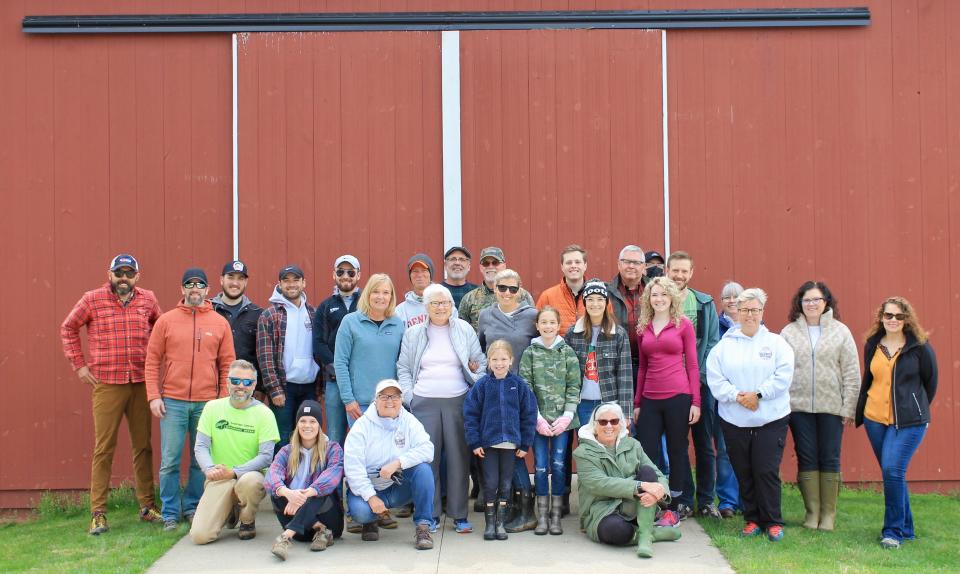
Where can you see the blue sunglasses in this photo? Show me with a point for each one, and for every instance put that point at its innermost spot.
(239, 381)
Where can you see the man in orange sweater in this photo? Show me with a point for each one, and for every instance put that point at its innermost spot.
(188, 358)
(565, 296)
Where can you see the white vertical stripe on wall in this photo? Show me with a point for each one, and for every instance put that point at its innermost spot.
(450, 102)
(236, 185)
(666, 144)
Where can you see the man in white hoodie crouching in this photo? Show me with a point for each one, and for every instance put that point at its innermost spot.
(386, 461)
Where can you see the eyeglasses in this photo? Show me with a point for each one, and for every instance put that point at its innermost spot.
(129, 273)
(458, 260)
(751, 311)
(195, 285)
(239, 381)
(897, 316)
(631, 262)
(812, 301)
(348, 272)
(511, 288)
(489, 263)
(438, 304)
(605, 422)
(388, 398)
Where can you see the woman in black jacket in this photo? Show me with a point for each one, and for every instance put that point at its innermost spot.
(899, 383)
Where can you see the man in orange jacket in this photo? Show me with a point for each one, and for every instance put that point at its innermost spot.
(188, 358)
(565, 296)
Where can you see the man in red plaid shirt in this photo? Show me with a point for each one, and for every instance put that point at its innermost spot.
(118, 316)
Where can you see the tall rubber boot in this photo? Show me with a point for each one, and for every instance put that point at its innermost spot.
(556, 506)
(644, 536)
(513, 505)
(829, 492)
(809, 482)
(502, 509)
(525, 518)
(565, 508)
(490, 521)
(543, 507)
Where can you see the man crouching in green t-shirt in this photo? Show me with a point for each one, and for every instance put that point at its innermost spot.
(235, 439)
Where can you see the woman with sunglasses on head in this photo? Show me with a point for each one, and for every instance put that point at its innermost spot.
(749, 373)
(823, 397)
(619, 486)
(513, 320)
(302, 483)
(899, 384)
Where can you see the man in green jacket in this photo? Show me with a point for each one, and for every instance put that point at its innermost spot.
(700, 309)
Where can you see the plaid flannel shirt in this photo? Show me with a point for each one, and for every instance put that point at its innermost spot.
(613, 364)
(324, 480)
(117, 334)
(271, 333)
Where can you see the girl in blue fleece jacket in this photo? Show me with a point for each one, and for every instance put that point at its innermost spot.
(499, 419)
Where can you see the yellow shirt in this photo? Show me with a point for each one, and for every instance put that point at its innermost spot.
(879, 407)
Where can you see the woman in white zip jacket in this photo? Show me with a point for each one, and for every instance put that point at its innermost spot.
(749, 373)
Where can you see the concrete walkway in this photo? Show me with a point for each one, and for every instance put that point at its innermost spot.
(452, 552)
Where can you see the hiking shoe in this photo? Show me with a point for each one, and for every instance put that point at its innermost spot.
(889, 543)
(668, 518)
(727, 513)
(462, 526)
(750, 529)
(169, 525)
(422, 538)
(247, 531)
(188, 518)
(386, 521)
(232, 519)
(684, 511)
(321, 539)
(353, 527)
(282, 546)
(775, 533)
(405, 511)
(709, 511)
(98, 523)
(370, 532)
(151, 514)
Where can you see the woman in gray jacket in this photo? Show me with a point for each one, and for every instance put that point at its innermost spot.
(823, 397)
(439, 362)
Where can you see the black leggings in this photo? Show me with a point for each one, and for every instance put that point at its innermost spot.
(497, 465)
(614, 528)
(324, 509)
(670, 416)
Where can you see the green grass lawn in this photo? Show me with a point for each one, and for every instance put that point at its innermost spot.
(55, 539)
(854, 546)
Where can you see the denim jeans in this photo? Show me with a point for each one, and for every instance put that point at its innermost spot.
(728, 490)
(703, 449)
(549, 453)
(894, 449)
(336, 415)
(350, 421)
(417, 487)
(295, 394)
(180, 419)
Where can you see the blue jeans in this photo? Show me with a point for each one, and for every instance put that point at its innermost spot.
(521, 477)
(703, 449)
(350, 421)
(295, 394)
(417, 487)
(585, 410)
(728, 490)
(549, 453)
(894, 449)
(336, 415)
(181, 418)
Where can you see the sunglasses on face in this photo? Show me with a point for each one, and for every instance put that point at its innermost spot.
(239, 381)
(120, 273)
(605, 422)
(349, 272)
(897, 316)
(489, 263)
(195, 285)
(511, 288)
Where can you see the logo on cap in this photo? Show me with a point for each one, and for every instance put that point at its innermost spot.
(237, 266)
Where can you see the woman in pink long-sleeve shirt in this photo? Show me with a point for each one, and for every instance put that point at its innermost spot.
(667, 397)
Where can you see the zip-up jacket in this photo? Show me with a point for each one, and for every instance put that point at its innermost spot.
(518, 329)
(189, 355)
(325, 325)
(914, 381)
(500, 410)
(614, 364)
(554, 375)
(366, 353)
(826, 379)
(415, 339)
(708, 329)
(243, 325)
(271, 334)
(561, 298)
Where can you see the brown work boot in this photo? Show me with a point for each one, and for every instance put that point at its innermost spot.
(422, 538)
(322, 538)
(282, 546)
(98, 524)
(386, 521)
(370, 532)
(247, 531)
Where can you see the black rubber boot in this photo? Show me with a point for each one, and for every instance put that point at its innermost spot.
(565, 509)
(490, 519)
(502, 509)
(525, 519)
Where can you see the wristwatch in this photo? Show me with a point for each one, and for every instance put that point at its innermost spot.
(759, 395)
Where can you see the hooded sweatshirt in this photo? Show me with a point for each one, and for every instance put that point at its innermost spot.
(375, 441)
(413, 310)
(762, 363)
(298, 364)
(518, 328)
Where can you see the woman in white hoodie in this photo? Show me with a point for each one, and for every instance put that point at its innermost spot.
(749, 373)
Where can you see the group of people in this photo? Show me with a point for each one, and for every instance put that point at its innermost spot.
(457, 383)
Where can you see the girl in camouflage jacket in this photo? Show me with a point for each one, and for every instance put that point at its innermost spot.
(552, 370)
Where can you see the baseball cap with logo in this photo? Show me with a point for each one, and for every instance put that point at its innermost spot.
(124, 260)
(235, 267)
(291, 269)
